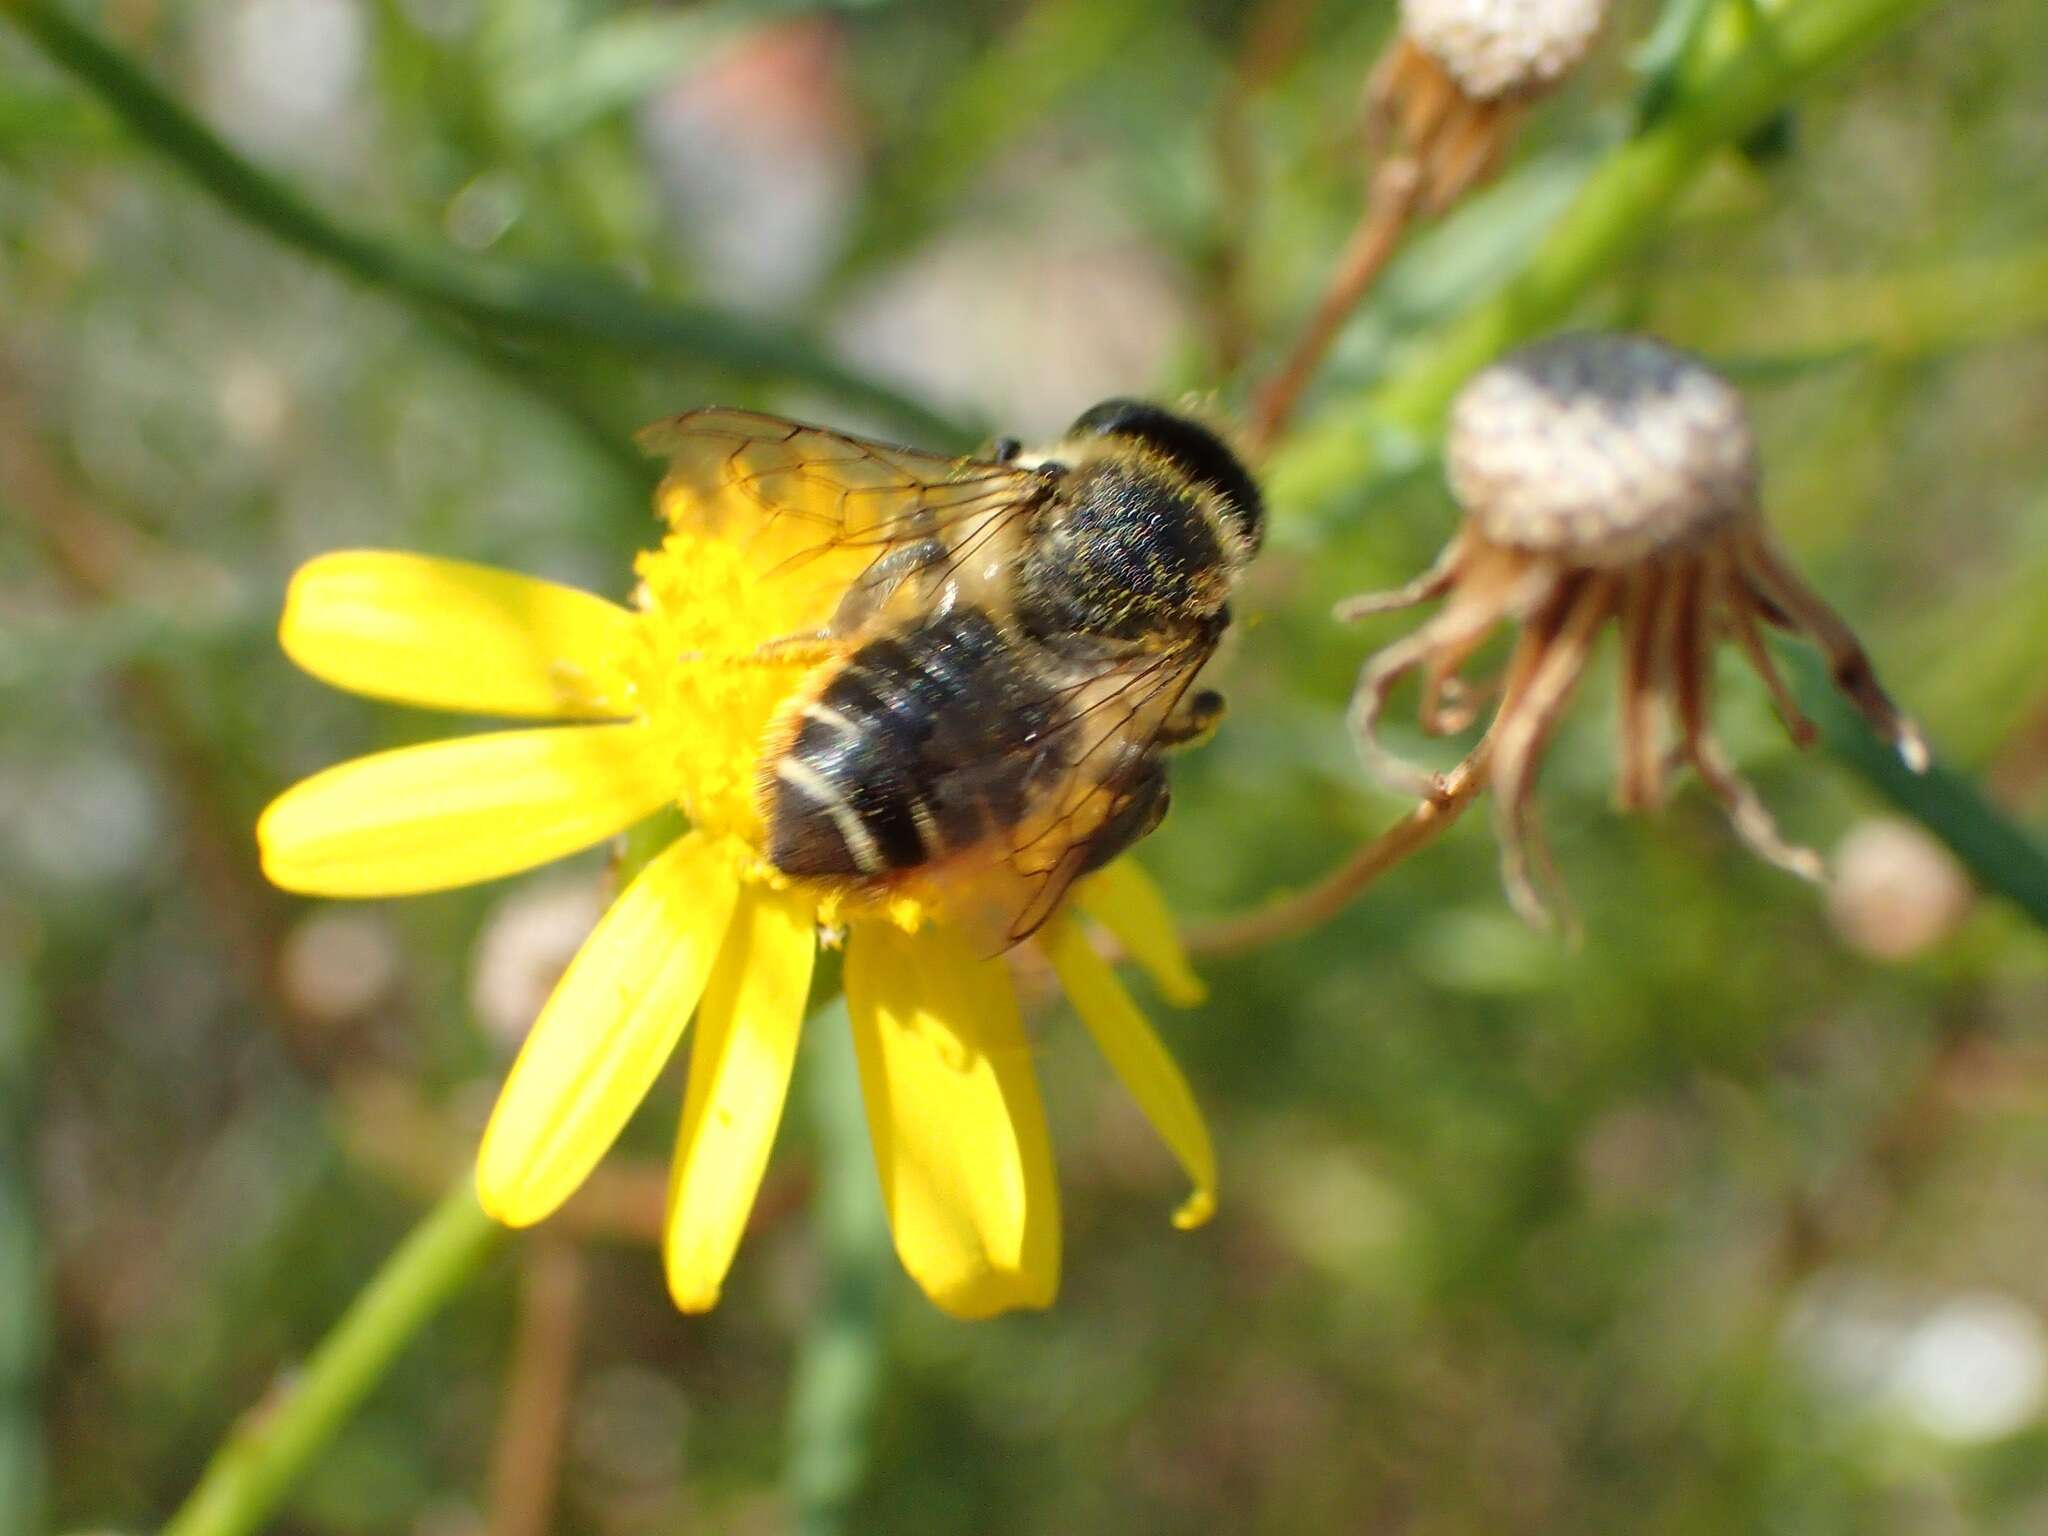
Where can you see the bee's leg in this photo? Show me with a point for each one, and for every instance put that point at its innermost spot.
(1140, 807)
(867, 597)
(1193, 721)
(863, 600)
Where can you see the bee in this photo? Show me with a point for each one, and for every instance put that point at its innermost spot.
(995, 687)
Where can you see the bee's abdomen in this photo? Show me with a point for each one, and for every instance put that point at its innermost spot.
(924, 743)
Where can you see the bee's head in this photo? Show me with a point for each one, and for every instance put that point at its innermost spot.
(1152, 521)
(1194, 450)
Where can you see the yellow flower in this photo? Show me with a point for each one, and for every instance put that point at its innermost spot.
(670, 701)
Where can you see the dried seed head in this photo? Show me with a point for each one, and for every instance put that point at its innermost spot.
(1503, 48)
(1601, 449)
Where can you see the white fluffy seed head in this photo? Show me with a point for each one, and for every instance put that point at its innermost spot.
(1601, 449)
(1504, 48)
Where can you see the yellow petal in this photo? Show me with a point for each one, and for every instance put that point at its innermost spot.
(1138, 1058)
(953, 1107)
(747, 1029)
(1124, 899)
(612, 1022)
(449, 635)
(456, 812)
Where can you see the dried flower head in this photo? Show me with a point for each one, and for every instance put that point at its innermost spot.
(1601, 450)
(1606, 477)
(1452, 86)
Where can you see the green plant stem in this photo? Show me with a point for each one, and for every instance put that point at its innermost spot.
(258, 1463)
(1623, 204)
(24, 1312)
(514, 300)
(840, 1360)
(2001, 857)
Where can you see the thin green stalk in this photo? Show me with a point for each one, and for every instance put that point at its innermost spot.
(2001, 857)
(517, 300)
(1623, 205)
(840, 1360)
(260, 1461)
(24, 1313)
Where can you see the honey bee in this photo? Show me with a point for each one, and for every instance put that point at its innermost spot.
(995, 687)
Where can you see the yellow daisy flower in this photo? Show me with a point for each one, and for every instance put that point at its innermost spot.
(666, 703)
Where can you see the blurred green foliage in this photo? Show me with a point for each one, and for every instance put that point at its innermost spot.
(1655, 1234)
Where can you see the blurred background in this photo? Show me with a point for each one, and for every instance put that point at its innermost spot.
(1733, 1218)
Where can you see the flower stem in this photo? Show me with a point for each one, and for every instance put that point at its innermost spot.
(256, 1466)
(841, 1358)
(1389, 209)
(1620, 209)
(24, 1319)
(1296, 914)
(509, 300)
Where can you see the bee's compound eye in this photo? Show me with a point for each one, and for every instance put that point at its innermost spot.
(1005, 449)
(1191, 447)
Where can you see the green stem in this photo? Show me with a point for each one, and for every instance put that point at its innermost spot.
(2001, 857)
(24, 1313)
(840, 1361)
(1621, 207)
(512, 299)
(257, 1465)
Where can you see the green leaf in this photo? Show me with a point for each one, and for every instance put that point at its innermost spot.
(2003, 857)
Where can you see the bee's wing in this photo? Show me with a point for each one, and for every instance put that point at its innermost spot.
(824, 489)
(1111, 744)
